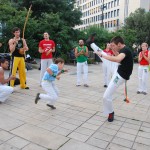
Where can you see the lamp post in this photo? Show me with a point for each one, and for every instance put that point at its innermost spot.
(103, 13)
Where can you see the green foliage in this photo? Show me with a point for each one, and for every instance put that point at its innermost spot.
(55, 17)
(14, 18)
(102, 35)
(139, 21)
(127, 34)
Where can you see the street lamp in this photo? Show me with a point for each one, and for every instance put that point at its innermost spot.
(103, 13)
(102, 9)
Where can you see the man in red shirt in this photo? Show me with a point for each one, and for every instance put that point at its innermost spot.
(46, 48)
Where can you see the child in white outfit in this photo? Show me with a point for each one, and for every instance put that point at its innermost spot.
(48, 85)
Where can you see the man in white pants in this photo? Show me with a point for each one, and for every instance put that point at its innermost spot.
(81, 53)
(5, 90)
(46, 48)
(122, 74)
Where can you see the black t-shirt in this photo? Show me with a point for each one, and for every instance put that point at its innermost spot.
(126, 65)
(18, 46)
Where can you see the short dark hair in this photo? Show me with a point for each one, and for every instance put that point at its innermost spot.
(117, 39)
(59, 60)
(2, 60)
(15, 29)
(46, 32)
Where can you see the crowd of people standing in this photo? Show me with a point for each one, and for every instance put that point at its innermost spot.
(117, 62)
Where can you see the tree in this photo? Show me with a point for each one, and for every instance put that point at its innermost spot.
(102, 35)
(56, 17)
(128, 36)
(64, 8)
(139, 21)
(11, 18)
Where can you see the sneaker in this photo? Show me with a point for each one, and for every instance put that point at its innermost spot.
(51, 106)
(37, 98)
(91, 39)
(85, 85)
(78, 85)
(144, 93)
(138, 92)
(111, 117)
(27, 88)
(105, 86)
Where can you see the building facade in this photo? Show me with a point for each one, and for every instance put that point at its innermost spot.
(110, 14)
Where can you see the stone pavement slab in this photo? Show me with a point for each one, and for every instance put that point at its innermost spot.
(40, 136)
(78, 122)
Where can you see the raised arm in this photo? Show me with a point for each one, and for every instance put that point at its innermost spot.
(2, 79)
(12, 45)
(117, 58)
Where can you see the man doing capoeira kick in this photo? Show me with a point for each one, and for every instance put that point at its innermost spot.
(124, 57)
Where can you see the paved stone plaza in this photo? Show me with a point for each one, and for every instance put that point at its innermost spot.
(78, 122)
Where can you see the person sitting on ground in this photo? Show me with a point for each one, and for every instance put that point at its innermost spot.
(5, 90)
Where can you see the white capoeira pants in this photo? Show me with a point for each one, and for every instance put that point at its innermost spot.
(51, 95)
(5, 92)
(114, 67)
(143, 74)
(82, 67)
(106, 65)
(45, 63)
(115, 82)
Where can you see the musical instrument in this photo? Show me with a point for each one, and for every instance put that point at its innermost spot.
(22, 51)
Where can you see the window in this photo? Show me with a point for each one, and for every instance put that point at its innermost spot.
(94, 2)
(108, 5)
(117, 22)
(112, 4)
(117, 12)
(114, 23)
(111, 24)
(105, 24)
(111, 14)
(106, 16)
(96, 18)
(108, 24)
(117, 2)
(114, 13)
(100, 17)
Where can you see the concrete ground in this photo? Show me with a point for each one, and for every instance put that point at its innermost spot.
(78, 122)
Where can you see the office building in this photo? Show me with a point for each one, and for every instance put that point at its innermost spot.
(108, 13)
